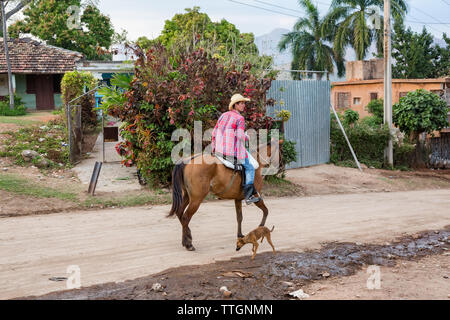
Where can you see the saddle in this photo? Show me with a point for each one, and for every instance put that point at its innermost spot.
(237, 168)
(234, 165)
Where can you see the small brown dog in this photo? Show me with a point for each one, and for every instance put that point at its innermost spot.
(253, 237)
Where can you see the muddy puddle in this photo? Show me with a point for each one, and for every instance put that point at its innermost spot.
(268, 276)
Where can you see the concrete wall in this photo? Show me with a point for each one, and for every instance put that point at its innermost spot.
(363, 92)
(365, 70)
(21, 90)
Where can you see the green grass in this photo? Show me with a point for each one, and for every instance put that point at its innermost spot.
(278, 187)
(50, 142)
(123, 179)
(22, 120)
(14, 184)
(275, 180)
(128, 201)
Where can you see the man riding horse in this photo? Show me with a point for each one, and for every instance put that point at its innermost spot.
(228, 141)
(192, 182)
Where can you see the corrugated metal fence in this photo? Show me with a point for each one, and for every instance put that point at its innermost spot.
(309, 125)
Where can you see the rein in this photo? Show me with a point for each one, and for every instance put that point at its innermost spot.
(230, 184)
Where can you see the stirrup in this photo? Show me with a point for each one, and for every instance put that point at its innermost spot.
(252, 199)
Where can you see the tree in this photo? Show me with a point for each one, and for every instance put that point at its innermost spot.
(12, 7)
(16, 5)
(145, 43)
(353, 18)
(420, 111)
(443, 62)
(308, 43)
(55, 21)
(222, 40)
(376, 107)
(415, 55)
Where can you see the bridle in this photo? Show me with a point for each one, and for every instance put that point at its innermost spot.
(262, 160)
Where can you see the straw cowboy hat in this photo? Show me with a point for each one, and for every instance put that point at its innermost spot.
(235, 99)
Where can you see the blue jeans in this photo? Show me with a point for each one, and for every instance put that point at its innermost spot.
(249, 172)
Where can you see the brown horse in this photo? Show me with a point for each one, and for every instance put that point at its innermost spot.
(192, 182)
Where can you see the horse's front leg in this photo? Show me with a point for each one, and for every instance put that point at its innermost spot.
(238, 205)
(260, 204)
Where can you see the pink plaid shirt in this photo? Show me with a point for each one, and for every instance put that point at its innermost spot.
(228, 137)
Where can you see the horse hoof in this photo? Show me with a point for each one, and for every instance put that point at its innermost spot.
(190, 248)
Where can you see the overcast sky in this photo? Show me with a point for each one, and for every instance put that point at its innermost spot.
(147, 17)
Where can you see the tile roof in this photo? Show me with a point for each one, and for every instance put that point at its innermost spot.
(31, 56)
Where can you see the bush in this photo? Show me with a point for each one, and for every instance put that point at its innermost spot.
(367, 142)
(288, 152)
(368, 139)
(372, 121)
(420, 111)
(171, 90)
(73, 85)
(350, 117)
(376, 107)
(403, 154)
(19, 107)
(288, 155)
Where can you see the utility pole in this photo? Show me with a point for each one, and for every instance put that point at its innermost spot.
(8, 62)
(389, 151)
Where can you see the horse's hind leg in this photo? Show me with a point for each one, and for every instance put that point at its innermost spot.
(185, 219)
(183, 206)
(260, 204)
(238, 205)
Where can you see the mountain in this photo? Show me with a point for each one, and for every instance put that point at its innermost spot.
(268, 45)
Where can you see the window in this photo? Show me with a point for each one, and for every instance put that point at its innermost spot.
(343, 100)
(373, 96)
(57, 83)
(31, 83)
(357, 101)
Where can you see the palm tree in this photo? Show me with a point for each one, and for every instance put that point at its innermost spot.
(310, 43)
(355, 18)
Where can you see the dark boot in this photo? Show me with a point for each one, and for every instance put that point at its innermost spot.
(249, 193)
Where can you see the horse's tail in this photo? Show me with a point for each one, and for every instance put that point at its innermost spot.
(177, 189)
(273, 227)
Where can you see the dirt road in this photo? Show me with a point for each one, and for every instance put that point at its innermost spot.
(120, 244)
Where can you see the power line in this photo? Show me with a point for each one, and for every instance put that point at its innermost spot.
(277, 6)
(445, 1)
(429, 24)
(429, 15)
(439, 23)
(420, 10)
(425, 24)
(270, 10)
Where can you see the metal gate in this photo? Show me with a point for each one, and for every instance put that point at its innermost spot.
(440, 152)
(309, 125)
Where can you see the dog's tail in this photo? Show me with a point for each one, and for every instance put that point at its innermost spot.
(177, 189)
(262, 238)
